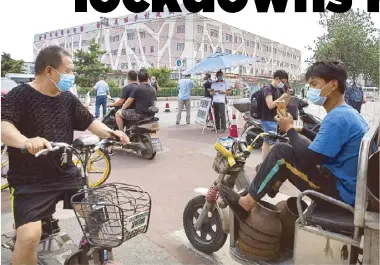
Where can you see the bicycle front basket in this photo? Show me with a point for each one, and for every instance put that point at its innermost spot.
(112, 214)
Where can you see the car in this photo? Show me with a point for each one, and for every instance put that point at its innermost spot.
(7, 85)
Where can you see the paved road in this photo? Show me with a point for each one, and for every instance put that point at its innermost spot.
(170, 178)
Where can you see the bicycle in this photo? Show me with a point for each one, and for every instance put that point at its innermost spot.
(101, 153)
(108, 215)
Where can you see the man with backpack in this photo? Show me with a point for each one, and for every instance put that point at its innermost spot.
(264, 106)
(354, 96)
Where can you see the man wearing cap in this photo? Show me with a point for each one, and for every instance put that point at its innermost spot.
(102, 90)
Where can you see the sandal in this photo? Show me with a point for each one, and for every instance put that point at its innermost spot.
(232, 200)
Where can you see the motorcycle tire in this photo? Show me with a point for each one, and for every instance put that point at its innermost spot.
(259, 143)
(149, 153)
(207, 247)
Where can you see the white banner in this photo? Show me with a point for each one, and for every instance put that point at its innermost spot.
(203, 111)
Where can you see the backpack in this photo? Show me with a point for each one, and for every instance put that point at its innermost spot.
(355, 94)
(256, 102)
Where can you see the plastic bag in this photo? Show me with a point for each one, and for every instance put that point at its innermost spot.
(87, 100)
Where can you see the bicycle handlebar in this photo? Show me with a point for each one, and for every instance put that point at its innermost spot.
(59, 146)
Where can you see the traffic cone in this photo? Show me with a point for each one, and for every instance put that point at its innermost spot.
(167, 107)
(233, 128)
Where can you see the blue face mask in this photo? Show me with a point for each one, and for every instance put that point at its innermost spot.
(220, 78)
(314, 95)
(280, 85)
(66, 82)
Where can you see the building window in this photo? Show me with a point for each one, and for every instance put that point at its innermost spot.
(240, 40)
(181, 29)
(143, 49)
(101, 40)
(133, 50)
(124, 66)
(130, 36)
(258, 46)
(218, 49)
(275, 51)
(251, 44)
(114, 52)
(62, 45)
(228, 51)
(151, 48)
(205, 47)
(85, 42)
(197, 61)
(180, 46)
(228, 37)
(142, 34)
(211, 49)
(133, 66)
(214, 33)
(123, 52)
(235, 39)
(244, 70)
(239, 53)
(200, 29)
(251, 71)
(247, 43)
(114, 38)
(197, 46)
(76, 44)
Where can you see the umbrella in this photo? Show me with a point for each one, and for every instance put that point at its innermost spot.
(218, 61)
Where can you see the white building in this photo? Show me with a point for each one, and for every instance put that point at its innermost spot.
(159, 39)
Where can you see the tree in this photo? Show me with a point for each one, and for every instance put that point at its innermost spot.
(9, 65)
(88, 65)
(162, 75)
(349, 37)
(372, 68)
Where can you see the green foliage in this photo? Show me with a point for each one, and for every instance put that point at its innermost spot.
(349, 37)
(162, 75)
(9, 65)
(88, 65)
(112, 84)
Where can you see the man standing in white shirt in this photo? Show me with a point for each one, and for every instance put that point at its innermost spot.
(219, 90)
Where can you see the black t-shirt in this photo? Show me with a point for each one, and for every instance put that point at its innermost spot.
(127, 91)
(266, 113)
(207, 86)
(145, 96)
(53, 118)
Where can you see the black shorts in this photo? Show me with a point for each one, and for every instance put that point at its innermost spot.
(33, 207)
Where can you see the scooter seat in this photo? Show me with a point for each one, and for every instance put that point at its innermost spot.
(146, 120)
(331, 218)
(86, 141)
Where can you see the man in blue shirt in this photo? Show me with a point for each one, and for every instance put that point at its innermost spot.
(185, 85)
(102, 90)
(327, 165)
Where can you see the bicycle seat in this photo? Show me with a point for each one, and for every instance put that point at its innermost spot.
(86, 141)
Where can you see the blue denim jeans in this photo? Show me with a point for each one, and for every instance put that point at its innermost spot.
(269, 126)
(100, 101)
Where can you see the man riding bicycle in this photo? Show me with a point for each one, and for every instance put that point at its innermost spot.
(327, 165)
(144, 96)
(32, 116)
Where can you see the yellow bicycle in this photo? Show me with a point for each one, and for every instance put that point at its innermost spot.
(98, 168)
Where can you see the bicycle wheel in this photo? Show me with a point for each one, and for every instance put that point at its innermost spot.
(96, 175)
(4, 170)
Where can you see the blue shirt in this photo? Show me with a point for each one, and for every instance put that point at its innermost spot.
(101, 88)
(185, 86)
(339, 140)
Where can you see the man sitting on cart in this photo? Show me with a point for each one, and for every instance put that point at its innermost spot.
(329, 164)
